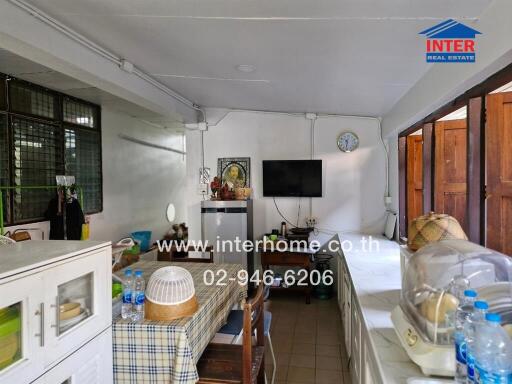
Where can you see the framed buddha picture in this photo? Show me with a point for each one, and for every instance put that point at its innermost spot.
(234, 171)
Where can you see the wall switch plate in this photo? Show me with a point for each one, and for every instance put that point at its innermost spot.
(202, 189)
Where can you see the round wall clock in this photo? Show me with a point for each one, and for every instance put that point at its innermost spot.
(348, 142)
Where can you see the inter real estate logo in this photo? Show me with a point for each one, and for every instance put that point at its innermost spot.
(450, 42)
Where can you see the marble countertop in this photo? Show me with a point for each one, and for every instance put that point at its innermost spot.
(28, 255)
(376, 280)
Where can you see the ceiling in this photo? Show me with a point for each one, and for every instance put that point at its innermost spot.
(329, 56)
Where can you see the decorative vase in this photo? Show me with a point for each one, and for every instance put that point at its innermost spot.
(242, 193)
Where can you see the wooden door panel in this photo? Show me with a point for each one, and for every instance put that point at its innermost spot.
(450, 188)
(506, 156)
(414, 176)
(455, 154)
(498, 137)
(455, 205)
(506, 224)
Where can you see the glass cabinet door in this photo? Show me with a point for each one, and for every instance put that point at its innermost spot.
(21, 329)
(11, 348)
(76, 292)
(76, 302)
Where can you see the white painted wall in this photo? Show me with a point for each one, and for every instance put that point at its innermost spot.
(392, 143)
(138, 181)
(353, 183)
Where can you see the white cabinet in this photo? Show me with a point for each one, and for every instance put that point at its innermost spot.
(362, 367)
(35, 333)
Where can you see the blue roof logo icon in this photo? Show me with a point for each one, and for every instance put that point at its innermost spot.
(450, 42)
(450, 29)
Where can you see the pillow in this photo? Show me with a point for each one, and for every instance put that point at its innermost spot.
(389, 229)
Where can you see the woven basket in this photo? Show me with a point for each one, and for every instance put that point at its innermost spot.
(165, 312)
(433, 227)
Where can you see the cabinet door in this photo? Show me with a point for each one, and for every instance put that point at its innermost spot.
(357, 347)
(78, 294)
(91, 364)
(22, 337)
(369, 367)
(339, 286)
(347, 309)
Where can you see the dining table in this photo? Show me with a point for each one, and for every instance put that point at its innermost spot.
(167, 351)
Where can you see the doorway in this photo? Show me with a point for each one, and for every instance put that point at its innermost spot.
(498, 173)
(450, 166)
(414, 175)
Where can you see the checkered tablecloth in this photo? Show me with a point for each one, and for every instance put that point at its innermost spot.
(167, 352)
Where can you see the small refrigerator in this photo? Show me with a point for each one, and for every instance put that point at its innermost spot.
(228, 220)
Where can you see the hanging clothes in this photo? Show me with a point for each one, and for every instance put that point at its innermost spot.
(74, 218)
(54, 214)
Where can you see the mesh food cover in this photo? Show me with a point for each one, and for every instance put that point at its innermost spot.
(170, 294)
(170, 286)
(436, 277)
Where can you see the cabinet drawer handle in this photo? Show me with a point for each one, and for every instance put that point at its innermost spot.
(40, 313)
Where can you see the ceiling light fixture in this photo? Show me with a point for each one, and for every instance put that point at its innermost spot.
(246, 68)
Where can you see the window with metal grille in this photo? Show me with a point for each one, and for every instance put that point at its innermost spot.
(28, 99)
(83, 160)
(75, 112)
(4, 161)
(37, 160)
(43, 134)
(3, 96)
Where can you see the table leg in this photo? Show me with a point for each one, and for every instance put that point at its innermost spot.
(308, 288)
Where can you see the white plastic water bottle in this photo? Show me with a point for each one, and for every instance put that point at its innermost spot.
(493, 352)
(126, 308)
(464, 310)
(475, 320)
(138, 297)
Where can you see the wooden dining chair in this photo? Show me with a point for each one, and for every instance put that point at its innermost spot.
(181, 256)
(235, 325)
(232, 363)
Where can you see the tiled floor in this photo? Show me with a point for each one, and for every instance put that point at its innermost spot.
(307, 341)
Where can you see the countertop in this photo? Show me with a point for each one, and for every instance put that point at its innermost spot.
(377, 282)
(26, 255)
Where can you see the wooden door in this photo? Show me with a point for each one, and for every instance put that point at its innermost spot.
(450, 189)
(414, 177)
(498, 149)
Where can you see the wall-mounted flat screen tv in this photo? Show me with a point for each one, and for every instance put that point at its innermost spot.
(299, 178)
